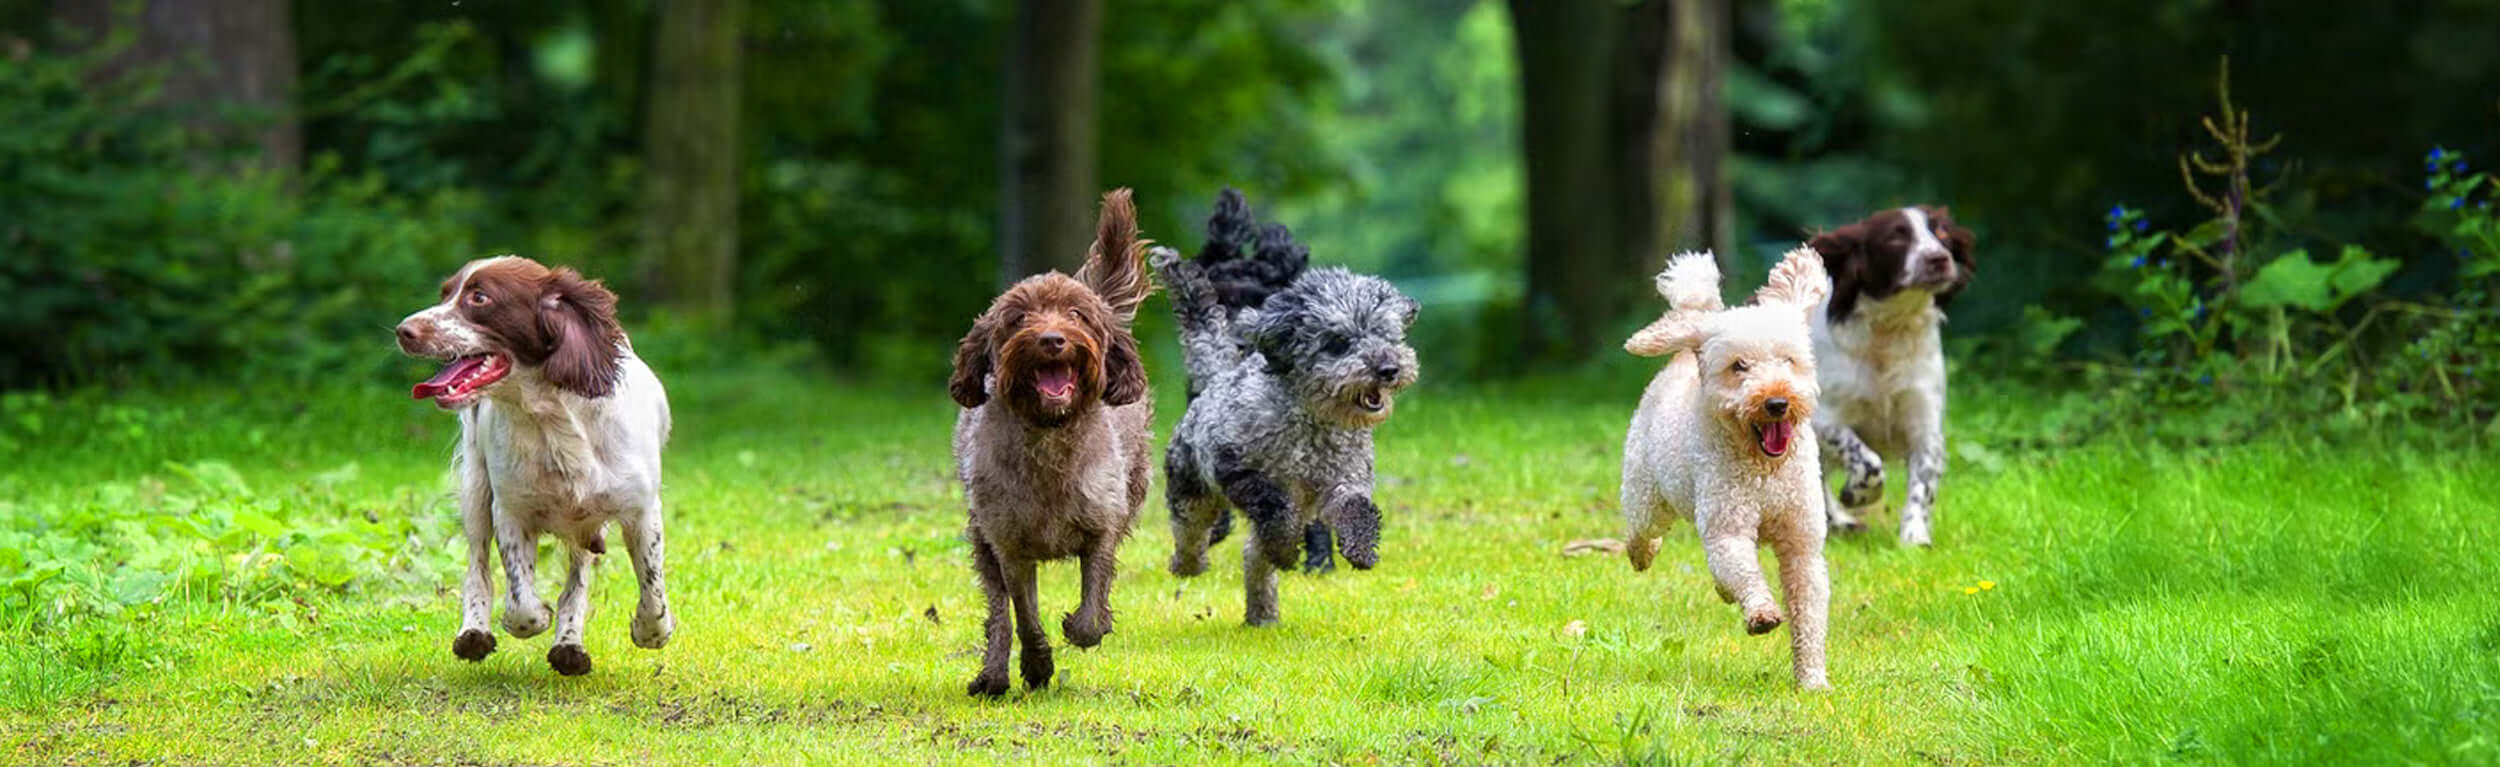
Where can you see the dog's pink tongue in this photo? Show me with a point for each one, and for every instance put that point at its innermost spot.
(1775, 437)
(1056, 380)
(441, 382)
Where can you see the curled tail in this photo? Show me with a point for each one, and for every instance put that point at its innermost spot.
(1242, 264)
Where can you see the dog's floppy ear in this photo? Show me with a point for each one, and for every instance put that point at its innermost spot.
(1124, 374)
(1797, 280)
(1279, 319)
(1844, 259)
(972, 363)
(1678, 331)
(1959, 241)
(579, 317)
(1114, 268)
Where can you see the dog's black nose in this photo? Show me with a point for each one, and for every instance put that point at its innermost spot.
(1776, 406)
(1387, 372)
(1051, 341)
(1937, 262)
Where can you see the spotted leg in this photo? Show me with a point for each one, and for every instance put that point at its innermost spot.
(524, 614)
(477, 585)
(653, 623)
(1926, 469)
(1862, 471)
(568, 657)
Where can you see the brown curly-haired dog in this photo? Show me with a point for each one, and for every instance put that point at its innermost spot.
(1051, 443)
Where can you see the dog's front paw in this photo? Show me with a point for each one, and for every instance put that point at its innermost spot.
(473, 645)
(990, 683)
(1083, 630)
(1037, 668)
(1362, 557)
(1845, 523)
(525, 620)
(569, 659)
(652, 629)
(1187, 566)
(1914, 530)
(1762, 620)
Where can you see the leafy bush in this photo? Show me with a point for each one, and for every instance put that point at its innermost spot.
(136, 251)
(2239, 326)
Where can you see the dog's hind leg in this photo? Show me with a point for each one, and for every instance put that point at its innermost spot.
(1643, 524)
(1739, 574)
(1032, 640)
(1862, 471)
(1806, 588)
(1199, 519)
(1258, 585)
(653, 624)
(995, 629)
(1319, 554)
(568, 657)
(1092, 619)
(524, 614)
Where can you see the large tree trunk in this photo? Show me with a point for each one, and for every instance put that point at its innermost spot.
(1047, 139)
(1623, 133)
(229, 63)
(690, 156)
(1565, 56)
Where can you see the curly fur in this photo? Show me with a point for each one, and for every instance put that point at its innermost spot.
(1051, 444)
(1724, 437)
(1285, 399)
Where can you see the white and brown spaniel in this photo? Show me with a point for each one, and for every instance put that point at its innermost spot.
(560, 433)
(1880, 354)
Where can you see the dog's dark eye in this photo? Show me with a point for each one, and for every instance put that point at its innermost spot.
(478, 298)
(1336, 343)
(1738, 366)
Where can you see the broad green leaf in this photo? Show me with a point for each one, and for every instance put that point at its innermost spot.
(2291, 280)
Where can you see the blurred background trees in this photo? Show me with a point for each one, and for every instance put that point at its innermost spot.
(185, 187)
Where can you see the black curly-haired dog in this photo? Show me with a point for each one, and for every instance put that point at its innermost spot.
(1290, 369)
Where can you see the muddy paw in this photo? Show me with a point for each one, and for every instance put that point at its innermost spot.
(1188, 566)
(524, 621)
(1037, 669)
(652, 632)
(989, 684)
(1081, 631)
(569, 659)
(473, 645)
(1762, 621)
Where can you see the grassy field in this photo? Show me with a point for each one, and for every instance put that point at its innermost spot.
(2114, 602)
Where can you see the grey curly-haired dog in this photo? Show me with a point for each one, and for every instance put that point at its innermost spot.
(1283, 399)
(1052, 441)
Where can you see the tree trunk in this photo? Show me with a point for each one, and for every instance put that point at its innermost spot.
(1565, 55)
(690, 156)
(229, 63)
(1047, 139)
(1623, 132)
(1692, 135)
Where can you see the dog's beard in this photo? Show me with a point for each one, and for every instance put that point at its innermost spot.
(1051, 392)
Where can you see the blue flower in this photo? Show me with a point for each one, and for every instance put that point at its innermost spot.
(2469, 371)
(2140, 224)
(2437, 154)
(2206, 379)
(2455, 203)
(2139, 263)
(2113, 241)
(2427, 185)
(2459, 167)
(2117, 212)
(2200, 310)
(2162, 264)
(2146, 311)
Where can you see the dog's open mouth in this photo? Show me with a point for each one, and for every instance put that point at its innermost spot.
(462, 378)
(1774, 437)
(1056, 382)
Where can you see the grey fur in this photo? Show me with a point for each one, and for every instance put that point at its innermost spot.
(1278, 427)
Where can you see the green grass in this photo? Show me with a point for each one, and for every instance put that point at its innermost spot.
(2268, 602)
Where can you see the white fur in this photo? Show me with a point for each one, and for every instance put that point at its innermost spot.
(1691, 452)
(1883, 379)
(535, 459)
(1923, 246)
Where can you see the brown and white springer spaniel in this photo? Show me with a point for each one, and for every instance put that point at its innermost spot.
(560, 433)
(1879, 351)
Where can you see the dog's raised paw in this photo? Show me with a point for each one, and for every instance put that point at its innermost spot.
(1081, 632)
(473, 645)
(1759, 622)
(569, 659)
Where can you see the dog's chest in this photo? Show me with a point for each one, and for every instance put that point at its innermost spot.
(1879, 374)
(554, 478)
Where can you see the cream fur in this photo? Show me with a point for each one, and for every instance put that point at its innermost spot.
(1693, 451)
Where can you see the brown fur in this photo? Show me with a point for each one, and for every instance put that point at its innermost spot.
(1048, 483)
(1866, 258)
(548, 317)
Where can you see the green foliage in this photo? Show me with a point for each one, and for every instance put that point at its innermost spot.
(138, 250)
